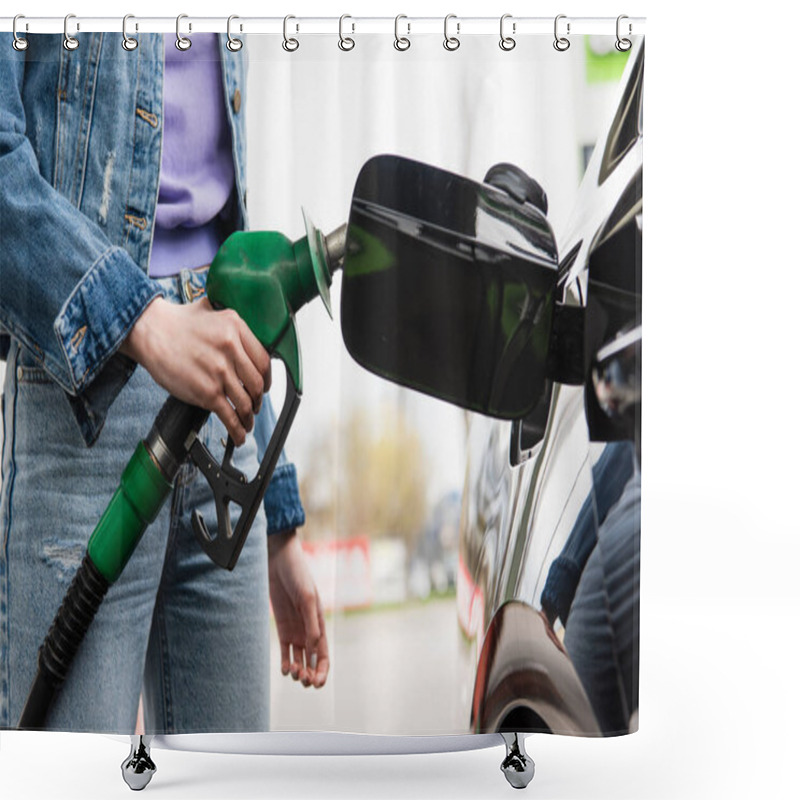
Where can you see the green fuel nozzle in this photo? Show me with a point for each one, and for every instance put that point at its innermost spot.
(266, 279)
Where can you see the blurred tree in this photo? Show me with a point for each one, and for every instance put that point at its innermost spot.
(376, 485)
(383, 490)
(318, 491)
(383, 483)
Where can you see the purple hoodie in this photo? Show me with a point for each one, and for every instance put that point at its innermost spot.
(197, 173)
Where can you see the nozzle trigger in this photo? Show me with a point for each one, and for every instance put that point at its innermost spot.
(231, 486)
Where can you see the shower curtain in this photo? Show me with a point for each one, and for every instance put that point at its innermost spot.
(421, 566)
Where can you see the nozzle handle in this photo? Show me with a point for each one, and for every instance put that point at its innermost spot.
(230, 486)
(287, 348)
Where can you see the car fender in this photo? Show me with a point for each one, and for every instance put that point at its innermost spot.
(525, 680)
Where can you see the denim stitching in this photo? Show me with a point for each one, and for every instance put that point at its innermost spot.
(157, 159)
(5, 677)
(166, 683)
(92, 64)
(77, 338)
(229, 81)
(60, 97)
(133, 150)
(76, 158)
(166, 706)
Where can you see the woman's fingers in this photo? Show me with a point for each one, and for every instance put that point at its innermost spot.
(257, 355)
(206, 357)
(311, 623)
(285, 658)
(298, 667)
(323, 660)
(230, 419)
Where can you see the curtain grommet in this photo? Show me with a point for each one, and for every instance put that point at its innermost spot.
(401, 43)
(70, 42)
(289, 44)
(233, 44)
(182, 42)
(507, 43)
(346, 43)
(20, 43)
(451, 43)
(623, 44)
(129, 43)
(561, 43)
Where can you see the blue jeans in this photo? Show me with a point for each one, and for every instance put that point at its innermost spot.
(192, 637)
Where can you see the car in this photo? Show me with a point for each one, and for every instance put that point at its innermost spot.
(550, 630)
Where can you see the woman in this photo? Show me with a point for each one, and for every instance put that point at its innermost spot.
(122, 172)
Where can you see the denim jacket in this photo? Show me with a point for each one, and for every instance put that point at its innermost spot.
(80, 154)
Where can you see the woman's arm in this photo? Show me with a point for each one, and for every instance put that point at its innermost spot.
(66, 293)
(73, 299)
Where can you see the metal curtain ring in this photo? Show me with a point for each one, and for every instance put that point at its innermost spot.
(128, 42)
(561, 43)
(182, 42)
(401, 42)
(507, 42)
(233, 44)
(346, 42)
(20, 43)
(289, 44)
(451, 42)
(622, 44)
(70, 42)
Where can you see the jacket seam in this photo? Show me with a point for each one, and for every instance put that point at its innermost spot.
(229, 115)
(12, 470)
(5, 676)
(76, 158)
(133, 150)
(152, 231)
(94, 60)
(57, 166)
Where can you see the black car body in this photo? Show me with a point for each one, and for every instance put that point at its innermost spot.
(530, 482)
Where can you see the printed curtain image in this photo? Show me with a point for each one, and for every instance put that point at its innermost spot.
(430, 524)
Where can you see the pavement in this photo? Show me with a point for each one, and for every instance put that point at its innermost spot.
(403, 671)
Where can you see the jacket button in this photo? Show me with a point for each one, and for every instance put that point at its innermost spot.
(237, 101)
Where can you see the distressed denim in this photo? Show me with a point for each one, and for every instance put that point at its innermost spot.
(80, 146)
(194, 636)
(80, 155)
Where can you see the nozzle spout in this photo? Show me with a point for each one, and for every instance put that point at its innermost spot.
(335, 243)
